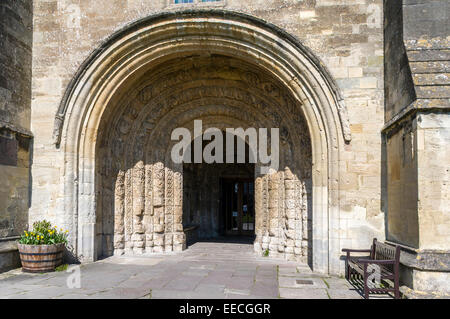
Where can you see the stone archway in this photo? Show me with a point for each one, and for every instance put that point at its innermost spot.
(139, 190)
(229, 69)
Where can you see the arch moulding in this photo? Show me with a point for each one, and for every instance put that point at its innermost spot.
(155, 39)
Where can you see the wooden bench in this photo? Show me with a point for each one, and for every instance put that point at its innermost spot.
(382, 257)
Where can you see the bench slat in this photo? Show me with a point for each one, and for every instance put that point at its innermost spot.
(384, 251)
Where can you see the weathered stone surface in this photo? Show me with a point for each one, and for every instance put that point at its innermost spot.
(109, 178)
(15, 121)
(416, 140)
(195, 273)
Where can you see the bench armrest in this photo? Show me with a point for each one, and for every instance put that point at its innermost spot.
(380, 262)
(357, 250)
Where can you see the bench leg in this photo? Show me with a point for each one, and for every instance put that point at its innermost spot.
(396, 287)
(366, 286)
(347, 267)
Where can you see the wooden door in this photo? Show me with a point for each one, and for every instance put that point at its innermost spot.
(238, 206)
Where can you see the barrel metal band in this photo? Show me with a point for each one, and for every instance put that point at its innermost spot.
(41, 254)
(41, 261)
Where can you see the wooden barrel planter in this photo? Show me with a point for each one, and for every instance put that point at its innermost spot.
(40, 258)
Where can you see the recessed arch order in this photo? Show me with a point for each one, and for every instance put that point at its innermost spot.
(162, 37)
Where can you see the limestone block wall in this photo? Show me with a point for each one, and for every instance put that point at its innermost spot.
(424, 48)
(433, 140)
(416, 139)
(15, 136)
(401, 149)
(15, 110)
(399, 86)
(417, 172)
(346, 35)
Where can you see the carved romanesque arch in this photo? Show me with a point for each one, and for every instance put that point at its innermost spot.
(98, 95)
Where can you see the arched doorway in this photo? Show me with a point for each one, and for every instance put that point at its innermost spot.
(219, 196)
(230, 70)
(140, 178)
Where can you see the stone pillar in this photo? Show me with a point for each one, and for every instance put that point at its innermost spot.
(128, 213)
(138, 236)
(148, 210)
(282, 221)
(305, 222)
(259, 214)
(179, 239)
(273, 221)
(158, 176)
(293, 214)
(119, 208)
(168, 212)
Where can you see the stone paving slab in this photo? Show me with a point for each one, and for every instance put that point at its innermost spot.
(303, 293)
(239, 282)
(265, 289)
(337, 283)
(301, 282)
(239, 296)
(194, 273)
(210, 288)
(177, 294)
(124, 293)
(344, 294)
(186, 283)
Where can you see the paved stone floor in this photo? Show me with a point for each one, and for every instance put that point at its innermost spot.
(205, 270)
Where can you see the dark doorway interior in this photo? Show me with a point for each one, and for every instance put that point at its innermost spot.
(218, 200)
(237, 209)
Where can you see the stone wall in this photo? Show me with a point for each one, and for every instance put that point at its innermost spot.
(15, 62)
(416, 139)
(403, 223)
(15, 135)
(433, 140)
(346, 35)
(399, 86)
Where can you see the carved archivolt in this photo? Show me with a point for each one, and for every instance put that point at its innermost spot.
(134, 155)
(119, 191)
(147, 92)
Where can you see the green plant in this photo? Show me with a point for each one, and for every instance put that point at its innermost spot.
(44, 234)
(62, 267)
(266, 253)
